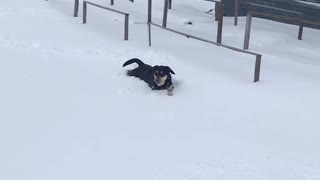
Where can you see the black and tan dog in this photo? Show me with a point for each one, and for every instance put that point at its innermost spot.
(157, 77)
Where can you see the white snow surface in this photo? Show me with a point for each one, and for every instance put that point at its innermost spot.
(69, 112)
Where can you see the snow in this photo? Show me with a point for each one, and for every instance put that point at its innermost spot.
(68, 111)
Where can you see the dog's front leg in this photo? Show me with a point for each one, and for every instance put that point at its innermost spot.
(170, 90)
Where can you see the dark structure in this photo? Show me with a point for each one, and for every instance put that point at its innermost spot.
(309, 8)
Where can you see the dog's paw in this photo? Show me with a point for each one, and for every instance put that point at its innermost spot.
(170, 93)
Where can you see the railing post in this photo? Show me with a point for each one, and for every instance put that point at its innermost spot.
(76, 7)
(149, 11)
(300, 32)
(247, 31)
(165, 13)
(84, 20)
(170, 4)
(126, 27)
(257, 68)
(149, 30)
(300, 29)
(217, 11)
(220, 22)
(236, 12)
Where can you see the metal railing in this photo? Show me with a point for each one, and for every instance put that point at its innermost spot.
(219, 16)
(126, 15)
(258, 56)
(76, 6)
(250, 15)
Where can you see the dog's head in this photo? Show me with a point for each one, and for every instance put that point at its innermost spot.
(161, 74)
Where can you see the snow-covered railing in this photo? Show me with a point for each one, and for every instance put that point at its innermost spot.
(218, 43)
(236, 9)
(301, 22)
(219, 16)
(76, 6)
(126, 15)
(258, 56)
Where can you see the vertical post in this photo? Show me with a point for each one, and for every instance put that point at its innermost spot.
(76, 7)
(257, 68)
(300, 32)
(220, 22)
(126, 27)
(84, 21)
(112, 2)
(149, 11)
(300, 29)
(170, 4)
(236, 12)
(149, 30)
(247, 32)
(217, 11)
(165, 13)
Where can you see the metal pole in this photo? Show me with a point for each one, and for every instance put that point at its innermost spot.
(170, 4)
(149, 29)
(76, 7)
(257, 68)
(165, 13)
(149, 11)
(236, 12)
(220, 22)
(217, 11)
(300, 29)
(247, 31)
(300, 32)
(84, 12)
(126, 27)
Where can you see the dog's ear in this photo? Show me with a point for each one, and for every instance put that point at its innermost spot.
(170, 70)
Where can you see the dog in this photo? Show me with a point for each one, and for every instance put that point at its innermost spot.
(157, 77)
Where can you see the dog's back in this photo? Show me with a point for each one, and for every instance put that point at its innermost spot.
(142, 71)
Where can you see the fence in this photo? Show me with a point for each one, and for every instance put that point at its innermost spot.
(219, 16)
(258, 56)
(126, 15)
(250, 14)
(76, 6)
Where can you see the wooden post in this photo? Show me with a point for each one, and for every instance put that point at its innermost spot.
(149, 30)
(165, 13)
(220, 22)
(84, 13)
(236, 12)
(257, 68)
(126, 27)
(247, 31)
(76, 7)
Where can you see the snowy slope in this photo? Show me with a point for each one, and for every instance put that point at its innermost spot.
(67, 110)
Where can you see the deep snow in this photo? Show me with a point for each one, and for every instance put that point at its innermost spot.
(67, 110)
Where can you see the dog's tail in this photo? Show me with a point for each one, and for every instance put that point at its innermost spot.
(134, 60)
